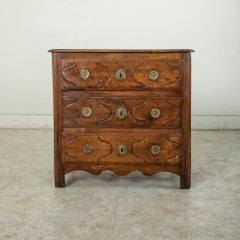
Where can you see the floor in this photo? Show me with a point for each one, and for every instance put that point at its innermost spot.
(109, 207)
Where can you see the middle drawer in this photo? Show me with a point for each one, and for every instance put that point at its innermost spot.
(121, 112)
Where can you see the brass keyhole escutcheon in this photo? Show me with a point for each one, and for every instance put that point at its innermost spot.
(87, 148)
(122, 149)
(87, 112)
(153, 74)
(120, 74)
(155, 112)
(155, 149)
(121, 112)
(84, 73)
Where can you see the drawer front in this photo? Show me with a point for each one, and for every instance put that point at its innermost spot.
(122, 112)
(121, 149)
(122, 71)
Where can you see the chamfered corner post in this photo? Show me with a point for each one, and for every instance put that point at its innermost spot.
(59, 175)
(59, 178)
(185, 181)
(185, 177)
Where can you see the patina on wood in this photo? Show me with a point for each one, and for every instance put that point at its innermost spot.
(122, 110)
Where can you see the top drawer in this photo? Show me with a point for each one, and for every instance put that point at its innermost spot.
(121, 71)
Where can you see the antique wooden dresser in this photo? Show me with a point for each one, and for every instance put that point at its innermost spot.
(122, 110)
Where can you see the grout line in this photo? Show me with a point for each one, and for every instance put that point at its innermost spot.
(215, 130)
(27, 114)
(17, 128)
(1, 190)
(222, 115)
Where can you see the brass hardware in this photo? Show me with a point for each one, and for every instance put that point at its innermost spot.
(155, 149)
(155, 112)
(84, 73)
(120, 74)
(87, 112)
(87, 148)
(153, 74)
(122, 149)
(121, 112)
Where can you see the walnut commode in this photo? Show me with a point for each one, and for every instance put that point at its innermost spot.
(122, 110)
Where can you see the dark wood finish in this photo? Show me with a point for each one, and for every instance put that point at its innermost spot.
(138, 148)
(147, 51)
(138, 112)
(58, 166)
(102, 67)
(185, 179)
(138, 131)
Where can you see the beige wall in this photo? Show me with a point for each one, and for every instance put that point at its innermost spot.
(29, 28)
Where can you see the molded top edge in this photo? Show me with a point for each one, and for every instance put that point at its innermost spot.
(121, 50)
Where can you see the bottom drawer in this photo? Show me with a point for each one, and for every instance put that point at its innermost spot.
(120, 148)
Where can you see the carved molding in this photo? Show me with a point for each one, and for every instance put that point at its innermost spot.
(140, 153)
(103, 74)
(109, 117)
(134, 153)
(138, 113)
(110, 150)
(122, 170)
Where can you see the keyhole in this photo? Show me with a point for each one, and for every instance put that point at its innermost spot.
(122, 149)
(120, 74)
(121, 112)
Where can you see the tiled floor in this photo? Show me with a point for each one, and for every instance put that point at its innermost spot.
(110, 207)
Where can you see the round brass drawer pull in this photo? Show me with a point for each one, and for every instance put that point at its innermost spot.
(155, 112)
(87, 148)
(121, 112)
(122, 149)
(87, 112)
(84, 73)
(155, 149)
(120, 74)
(153, 74)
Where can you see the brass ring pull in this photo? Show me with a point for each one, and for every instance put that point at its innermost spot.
(84, 73)
(155, 112)
(155, 149)
(121, 112)
(87, 112)
(87, 148)
(153, 75)
(120, 74)
(122, 149)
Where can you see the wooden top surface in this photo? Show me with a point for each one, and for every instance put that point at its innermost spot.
(120, 50)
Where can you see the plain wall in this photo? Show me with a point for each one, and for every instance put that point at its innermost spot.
(29, 28)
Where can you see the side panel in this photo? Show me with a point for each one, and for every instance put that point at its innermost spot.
(58, 167)
(186, 167)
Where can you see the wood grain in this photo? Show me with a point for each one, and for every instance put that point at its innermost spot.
(185, 181)
(138, 130)
(58, 167)
(121, 50)
(103, 67)
(105, 148)
(138, 112)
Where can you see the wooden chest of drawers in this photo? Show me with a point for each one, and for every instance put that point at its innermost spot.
(122, 110)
